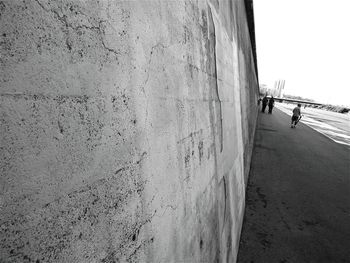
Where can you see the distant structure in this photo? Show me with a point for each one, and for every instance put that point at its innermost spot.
(263, 89)
(279, 88)
(276, 91)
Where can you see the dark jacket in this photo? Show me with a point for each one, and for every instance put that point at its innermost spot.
(264, 100)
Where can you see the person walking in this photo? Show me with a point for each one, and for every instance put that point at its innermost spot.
(259, 101)
(271, 104)
(296, 116)
(264, 103)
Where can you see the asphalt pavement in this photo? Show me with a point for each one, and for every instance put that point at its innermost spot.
(334, 125)
(298, 196)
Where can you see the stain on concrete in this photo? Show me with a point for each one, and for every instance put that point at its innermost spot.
(311, 222)
(261, 196)
(112, 131)
(214, 100)
(264, 147)
(200, 151)
(267, 129)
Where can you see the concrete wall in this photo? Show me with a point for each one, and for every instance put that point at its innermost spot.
(126, 130)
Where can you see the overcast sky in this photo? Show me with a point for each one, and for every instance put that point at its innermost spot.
(307, 43)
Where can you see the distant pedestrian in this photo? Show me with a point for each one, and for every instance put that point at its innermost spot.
(264, 103)
(271, 104)
(259, 101)
(296, 116)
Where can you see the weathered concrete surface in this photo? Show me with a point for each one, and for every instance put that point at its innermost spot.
(126, 130)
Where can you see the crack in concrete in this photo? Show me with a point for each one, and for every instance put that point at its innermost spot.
(214, 94)
(172, 207)
(225, 190)
(99, 28)
(152, 199)
(63, 18)
(142, 157)
(120, 170)
(116, 53)
(159, 44)
(217, 92)
(135, 233)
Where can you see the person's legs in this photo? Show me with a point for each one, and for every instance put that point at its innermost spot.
(270, 109)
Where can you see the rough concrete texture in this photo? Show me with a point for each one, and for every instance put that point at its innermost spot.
(126, 130)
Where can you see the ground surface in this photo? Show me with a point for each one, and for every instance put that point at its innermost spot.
(334, 125)
(298, 196)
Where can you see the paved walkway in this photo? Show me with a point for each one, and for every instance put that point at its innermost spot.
(298, 196)
(334, 125)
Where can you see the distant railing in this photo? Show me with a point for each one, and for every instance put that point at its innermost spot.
(297, 101)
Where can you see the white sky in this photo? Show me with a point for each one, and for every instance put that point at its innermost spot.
(307, 43)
